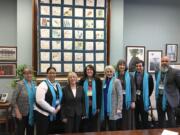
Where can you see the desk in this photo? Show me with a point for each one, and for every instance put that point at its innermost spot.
(129, 132)
(4, 118)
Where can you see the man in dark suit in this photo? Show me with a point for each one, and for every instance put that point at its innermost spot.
(167, 93)
(144, 87)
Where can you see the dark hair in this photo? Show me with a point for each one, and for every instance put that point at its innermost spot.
(140, 61)
(91, 67)
(119, 63)
(49, 68)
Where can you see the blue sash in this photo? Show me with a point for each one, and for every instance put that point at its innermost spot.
(145, 90)
(157, 91)
(51, 87)
(31, 98)
(128, 88)
(85, 86)
(109, 98)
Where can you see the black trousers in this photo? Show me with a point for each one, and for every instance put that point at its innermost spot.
(23, 125)
(162, 114)
(141, 116)
(72, 125)
(92, 123)
(127, 122)
(42, 124)
(108, 125)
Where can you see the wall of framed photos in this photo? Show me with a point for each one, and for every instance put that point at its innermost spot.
(71, 34)
(152, 24)
(8, 61)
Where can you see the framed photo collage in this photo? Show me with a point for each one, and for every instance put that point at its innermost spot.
(71, 34)
(8, 61)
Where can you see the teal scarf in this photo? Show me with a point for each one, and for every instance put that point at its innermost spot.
(31, 98)
(50, 85)
(109, 98)
(145, 91)
(128, 88)
(157, 91)
(85, 86)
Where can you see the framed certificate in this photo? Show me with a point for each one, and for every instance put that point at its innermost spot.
(8, 70)
(45, 56)
(56, 22)
(79, 45)
(78, 23)
(44, 44)
(79, 67)
(56, 56)
(58, 67)
(45, 10)
(56, 33)
(45, 22)
(56, 1)
(44, 67)
(56, 11)
(79, 2)
(67, 67)
(67, 45)
(78, 56)
(89, 45)
(56, 45)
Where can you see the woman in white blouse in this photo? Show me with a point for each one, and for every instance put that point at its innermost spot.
(48, 100)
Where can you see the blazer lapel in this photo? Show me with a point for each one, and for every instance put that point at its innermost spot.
(70, 91)
(77, 91)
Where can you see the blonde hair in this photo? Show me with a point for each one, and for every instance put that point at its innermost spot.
(70, 74)
(110, 67)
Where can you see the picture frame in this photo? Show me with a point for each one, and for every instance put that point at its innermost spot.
(153, 60)
(134, 53)
(7, 70)
(172, 52)
(175, 65)
(66, 32)
(8, 53)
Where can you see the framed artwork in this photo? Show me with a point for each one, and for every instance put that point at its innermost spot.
(172, 52)
(134, 53)
(70, 34)
(7, 70)
(175, 65)
(8, 53)
(153, 60)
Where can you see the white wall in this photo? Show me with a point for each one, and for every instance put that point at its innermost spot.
(16, 30)
(116, 41)
(8, 34)
(152, 23)
(24, 31)
(8, 17)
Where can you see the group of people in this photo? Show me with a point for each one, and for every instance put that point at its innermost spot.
(121, 101)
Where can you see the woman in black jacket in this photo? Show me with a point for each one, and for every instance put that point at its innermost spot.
(73, 108)
(92, 86)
